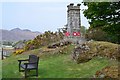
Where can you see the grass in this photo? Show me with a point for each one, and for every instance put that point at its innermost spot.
(64, 67)
(55, 65)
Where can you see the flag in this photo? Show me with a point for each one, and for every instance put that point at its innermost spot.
(67, 33)
(76, 33)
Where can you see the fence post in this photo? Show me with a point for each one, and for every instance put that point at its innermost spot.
(2, 54)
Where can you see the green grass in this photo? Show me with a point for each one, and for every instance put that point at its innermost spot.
(64, 67)
(55, 66)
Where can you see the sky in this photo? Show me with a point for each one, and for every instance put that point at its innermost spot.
(42, 15)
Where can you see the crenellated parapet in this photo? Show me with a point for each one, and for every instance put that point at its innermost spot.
(72, 7)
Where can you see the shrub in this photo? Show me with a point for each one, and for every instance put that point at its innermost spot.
(43, 40)
(96, 34)
(100, 35)
(19, 51)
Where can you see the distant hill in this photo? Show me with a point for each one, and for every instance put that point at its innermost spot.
(18, 34)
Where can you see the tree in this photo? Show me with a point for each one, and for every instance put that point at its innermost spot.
(97, 34)
(83, 30)
(104, 15)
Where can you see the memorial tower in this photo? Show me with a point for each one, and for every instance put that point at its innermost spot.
(73, 22)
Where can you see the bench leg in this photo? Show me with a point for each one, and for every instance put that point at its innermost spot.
(36, 72)
(19, 68)
(25, 73)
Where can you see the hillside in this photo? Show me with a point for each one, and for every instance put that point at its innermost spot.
(54, 64)
(59, 62)
(18, 34)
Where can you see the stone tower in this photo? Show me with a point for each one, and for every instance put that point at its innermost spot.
(73, 22)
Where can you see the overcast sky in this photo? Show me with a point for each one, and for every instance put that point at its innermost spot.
(42, 15)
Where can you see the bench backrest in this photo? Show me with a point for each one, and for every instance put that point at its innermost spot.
(34, 59)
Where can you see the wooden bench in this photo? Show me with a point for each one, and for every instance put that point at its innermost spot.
(31, 64)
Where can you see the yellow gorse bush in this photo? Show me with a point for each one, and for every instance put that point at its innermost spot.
(19, 51)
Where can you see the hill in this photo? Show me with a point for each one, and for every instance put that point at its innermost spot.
(54, 63)
(18, 34)
(59, 62)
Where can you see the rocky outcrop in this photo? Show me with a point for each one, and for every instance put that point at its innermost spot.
(59, 44)
(79, 53)
(108, 72)
(85, 52)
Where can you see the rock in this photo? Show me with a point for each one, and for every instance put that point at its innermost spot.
(51, 46)
(108, 72)
(59, 44)
(79, 53)
(85, 52)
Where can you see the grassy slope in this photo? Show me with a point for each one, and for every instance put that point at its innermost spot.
(55, 66)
